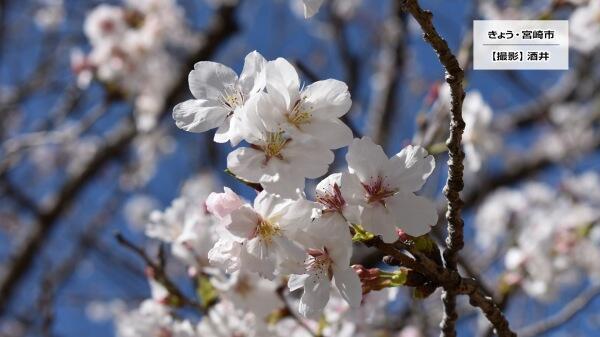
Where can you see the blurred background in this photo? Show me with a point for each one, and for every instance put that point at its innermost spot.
(89, 148)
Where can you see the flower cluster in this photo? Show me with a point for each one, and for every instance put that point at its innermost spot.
(129, 50)
(249, 252)
(290, 130)
(256, 249)
(557, 234)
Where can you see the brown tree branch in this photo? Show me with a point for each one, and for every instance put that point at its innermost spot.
(448, 279)
(454, 184)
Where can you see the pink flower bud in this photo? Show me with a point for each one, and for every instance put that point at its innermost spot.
(222, 204)
(403, 236)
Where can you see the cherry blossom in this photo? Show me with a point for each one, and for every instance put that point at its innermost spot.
(152, 319)
(328, 261)
(188, 229)
(219, 94)
(275, 159)
(478, 139)
(313, 111)
(250, 293)
(263, 231)
(383, 189)
(222, 204)
(555, 242)
(50, 15)
(130, 55)
(584, 27)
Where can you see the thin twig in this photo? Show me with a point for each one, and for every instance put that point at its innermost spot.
(160, 275)
(386, 103)
(564, 315)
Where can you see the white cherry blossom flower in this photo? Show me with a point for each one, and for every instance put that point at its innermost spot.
(312, 112)
(229, 252)
(334, 211)
(478, 139)
(105, 23)
(219, 94)
(188, 228)
(152, 319)
(383, 189)
(50, 15)
(137, 210)
(131, 53)
(328, 261)
(277, 161)
(222, 204)
(551, 233)
(584, 27)
(250, 293)
(223, 320)
(264, 245)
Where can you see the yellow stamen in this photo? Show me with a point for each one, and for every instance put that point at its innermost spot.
(300, 114)
(275, 142)
(266, 230)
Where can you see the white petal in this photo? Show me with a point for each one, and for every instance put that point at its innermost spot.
(352, 189)
(257, 117)
(365, 159)
(198, 115)
(348, 283)
(415, 214)
(270, 205)
(409, 169)
(332, 133)
(379, 220)
(291, 256)
(252, 77)
(309, 159)
(243, 222)
(326, 185)
(298, 215)
(286, 186)
(210, 80)
(256, 258)
(296, 282)
(329, 98)
(283, 78)
(246, 163)
(228, 132)
(316, 295)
